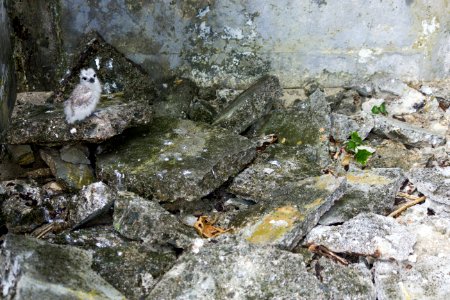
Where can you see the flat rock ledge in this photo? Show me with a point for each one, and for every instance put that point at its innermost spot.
(175, 160)
(46, 125)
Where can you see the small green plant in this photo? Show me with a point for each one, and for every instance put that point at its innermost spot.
(379, 109)
(355, 145)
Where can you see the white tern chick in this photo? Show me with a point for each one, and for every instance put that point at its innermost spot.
(84, 98)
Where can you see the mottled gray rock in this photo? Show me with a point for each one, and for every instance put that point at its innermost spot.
(434, 183)
(408, 134)
(231, 270)
(393, 154)
(201, 111)
(175, 160)
(278, 166)
(175, 100)
(427, 272)
(21, 203)
(307, 126)
(372, 191)
(143, 220)
(21, 154)
(139, 267)
(75, 154)
(252, 104)
(46, 124)
(366, 234)
(92, 201)
(33, 269)
(292, 211)
(7, 72)
(409, 100)
(72, 176)
(342, 126)
(345, 282)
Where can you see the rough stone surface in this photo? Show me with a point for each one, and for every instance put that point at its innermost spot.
(230, 270)
(21, 154)
(47, 125)
(366, 234)
(307, 125)
(175, 160)
(92, 201)
(175, 100)
(277, 166)
(72, 176)
(406, 133)
(345, 282)
(75, 154)
(342, 126)
(7, 72)
(129, 266)
(292, 211)
(140, 219)
(367, 191)
(232, 43)
(393, 154)
(428, 264)
(33, 269)
(252, 104)
(433, 183)
(21, 203)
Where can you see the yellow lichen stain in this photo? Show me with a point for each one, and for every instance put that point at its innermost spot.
(314, 204)
(275, 225)
(367, 178)
(325, 182)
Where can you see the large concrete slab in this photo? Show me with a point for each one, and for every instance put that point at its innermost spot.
(175, 160)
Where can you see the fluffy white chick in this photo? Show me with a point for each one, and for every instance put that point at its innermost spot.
(84, 98)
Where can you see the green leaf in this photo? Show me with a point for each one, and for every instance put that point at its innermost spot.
(362, 156)
(354, 136)
(383, 108)
(351, 146)
(375, 110)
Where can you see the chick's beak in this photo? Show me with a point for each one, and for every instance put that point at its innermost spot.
(91, 80)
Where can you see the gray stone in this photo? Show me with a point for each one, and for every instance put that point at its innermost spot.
(342, 126)
(252, 104)
(33, 269)
(22, 205)
(292, 211)
(72, 176)
(175, 160)
(239, 270)
(372, 191)
(140, 219)
(278, 166)
(139, 266)
(7, 72)
(201, 111)
(92, 201)
(345, 282)
(75, 154)
(427, 271)
(46, 124)
(406, 133)
(433, 183)
(393, 154)
(175, 100)
(308, 125)
(21, 154)
(366, 234)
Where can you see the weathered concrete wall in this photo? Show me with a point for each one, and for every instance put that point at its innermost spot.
(7, 78)
(230, 42)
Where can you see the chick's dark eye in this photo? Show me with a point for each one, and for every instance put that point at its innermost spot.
(95, 75)
(84, 78)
